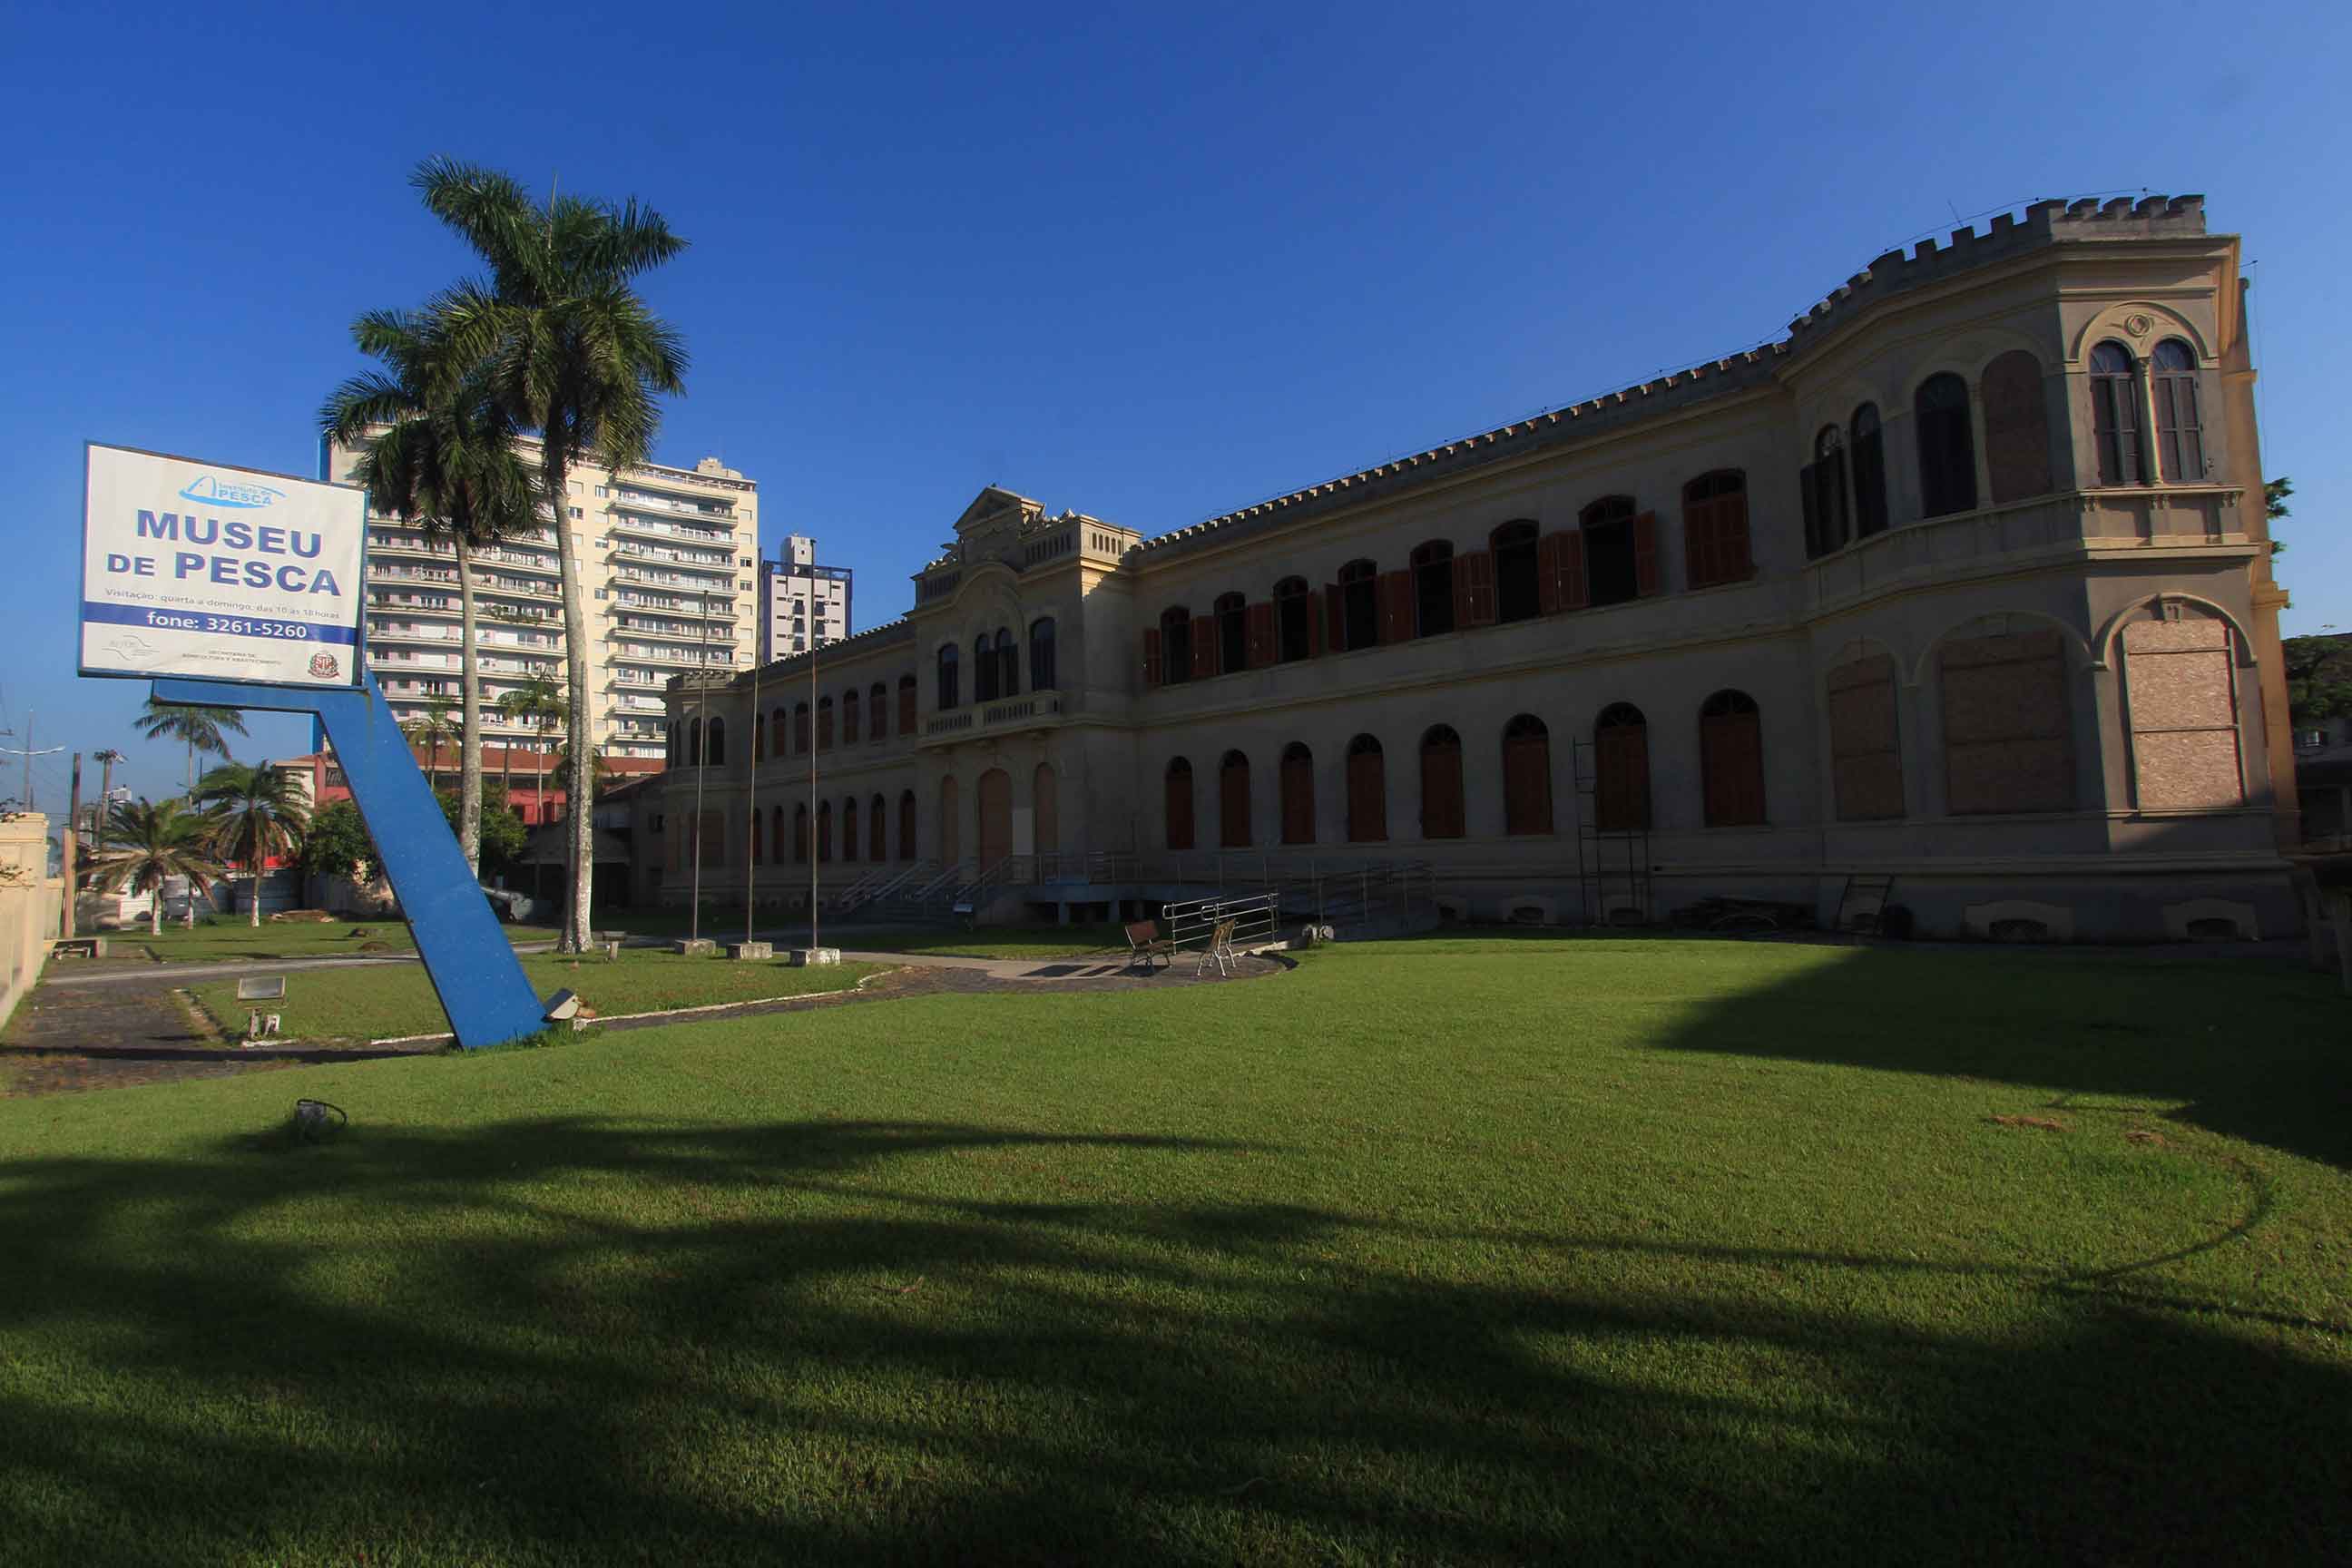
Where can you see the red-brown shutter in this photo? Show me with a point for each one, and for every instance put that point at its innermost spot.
(1548, 550)
(1298, 800)
(1645, 554)
(1572, 591)
(1233, 808)
(1368, 798)
(1396, 607)
(823, 727)
(1314, 633)
(1180, 810)
(1441, 791)
(1733, 564)
(1527, 785)
(1698, 542)
(1261, 634)
(1335, 618)
(1150, 656)
(1204, 647)
(1621, 796)
(1473, 589)
(1732, 762)
(906, 709)
(906, 827)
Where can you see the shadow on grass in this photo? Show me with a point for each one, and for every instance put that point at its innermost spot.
(568, 1339)
(2254, 1050)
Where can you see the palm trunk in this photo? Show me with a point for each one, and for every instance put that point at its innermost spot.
(582, 822)
(470, 701)
(156, 911)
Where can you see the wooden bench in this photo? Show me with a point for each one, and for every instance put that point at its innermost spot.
(1145, 944)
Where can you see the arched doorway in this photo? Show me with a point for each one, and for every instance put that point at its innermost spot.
(1049, 804)
(995, 816)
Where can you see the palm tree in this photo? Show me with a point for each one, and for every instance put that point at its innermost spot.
(539, 702)
(429, 729)
(205, 730)
(575, 355)
(439, 452)
(256, 812)
(151, 843)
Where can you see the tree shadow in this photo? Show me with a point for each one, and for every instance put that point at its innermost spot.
(2253, 1050)
(572, 1339)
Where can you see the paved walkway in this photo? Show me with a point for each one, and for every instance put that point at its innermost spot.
(110, 1028)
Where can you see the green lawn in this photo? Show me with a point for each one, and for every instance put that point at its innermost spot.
(230, 941)
(1451, 1250)
(383, 1002)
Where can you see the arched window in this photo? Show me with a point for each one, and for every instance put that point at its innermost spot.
(1526, 775)
(2017, 427)
(824, 831)
(950, 822)
(849, 717)
(2179, 432)
(1008, 664)
(949, 697)
(1367, 792)
(1441, 784)
(1232, 611)
(1234, 802)
(1948, 447)
(1043, 675)
(1715, 529)
(1620, 757)
(1175, 646)
(878, 829)
(849, 826)
(694, 743)
(905, 705)
(825, 723)
(1613, 572)
(800, 833)
(1869, 472)
(775, 836)
(1177, 799)
(984, 669)
(777, 729)
(1826, 523)
(2007, 723)
(906, 839)
(1297, 795)
(1518, 594)
(1432, 588)
(1293, 621)
(877, 715)
(1731, 760)
(717, 741)
(2114, 416)
(758, 838)
(1360, 604)
(758, 733)
(801, 727)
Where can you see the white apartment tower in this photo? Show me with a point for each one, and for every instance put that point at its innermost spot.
(802, 605)
(669, 569)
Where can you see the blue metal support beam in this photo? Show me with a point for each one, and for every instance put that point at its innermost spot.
(472, 965)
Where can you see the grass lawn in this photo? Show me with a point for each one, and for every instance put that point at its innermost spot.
(1451, 1250)
(232, 941)
(385, 1002)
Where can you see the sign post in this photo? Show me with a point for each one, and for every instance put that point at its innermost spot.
(235, 588)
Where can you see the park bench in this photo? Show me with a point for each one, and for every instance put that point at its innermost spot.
(1219, 949)
(1145, 944)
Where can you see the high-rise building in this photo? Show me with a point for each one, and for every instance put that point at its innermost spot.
(667, 560)
(802, 605)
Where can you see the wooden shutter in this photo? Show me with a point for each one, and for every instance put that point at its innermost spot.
(1233, 808)
(1732, 762)
(1527, 785)
(1572, 591)
(1473, 589)
(1621, 792)
(1368, 798)
(1548, 550)
(1396, 607)
(1262, 651)
(1335, 618)
(1645, 554)
(1150, 656)
(1180, 810)
(1315, 633)
(1441, 791)
(849, 828)
(1809, 485)
(1732, 561)
(1204, 647)
(906, 827)
(824, 728)
(1698, 544)
(1298, 800)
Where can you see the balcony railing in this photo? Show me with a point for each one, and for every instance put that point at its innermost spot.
(1011, 713)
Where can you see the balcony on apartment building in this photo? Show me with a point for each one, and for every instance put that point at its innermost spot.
(400, 546)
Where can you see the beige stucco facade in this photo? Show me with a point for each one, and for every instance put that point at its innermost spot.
(2034, 688)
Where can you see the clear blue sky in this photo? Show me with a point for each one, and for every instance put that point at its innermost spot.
(1150, 269)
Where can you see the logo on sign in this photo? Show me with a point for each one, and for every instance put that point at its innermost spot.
(214, 491)
(324, 666)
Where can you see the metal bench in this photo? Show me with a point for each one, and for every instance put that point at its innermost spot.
(1219, 949)
(1145, 944)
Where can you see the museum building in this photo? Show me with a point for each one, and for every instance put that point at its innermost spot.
(1957, 599)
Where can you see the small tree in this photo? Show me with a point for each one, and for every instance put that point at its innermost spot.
(151, 843)
(337, 844)
(256, 813)
(2318, 678)
(503, 834)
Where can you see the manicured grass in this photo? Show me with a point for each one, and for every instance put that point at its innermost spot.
(1450, 1250)
(388, 1001)
(991, 941)
(228, 941)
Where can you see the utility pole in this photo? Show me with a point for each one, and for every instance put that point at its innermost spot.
(70, 843)
(105, 759)
(28, 754)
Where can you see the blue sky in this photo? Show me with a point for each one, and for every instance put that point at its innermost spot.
(1147, 267)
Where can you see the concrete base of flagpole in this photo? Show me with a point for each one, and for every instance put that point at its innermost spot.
(751, 950)
(806, 957)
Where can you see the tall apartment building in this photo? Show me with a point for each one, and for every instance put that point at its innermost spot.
(668, 560)
(802, 605)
